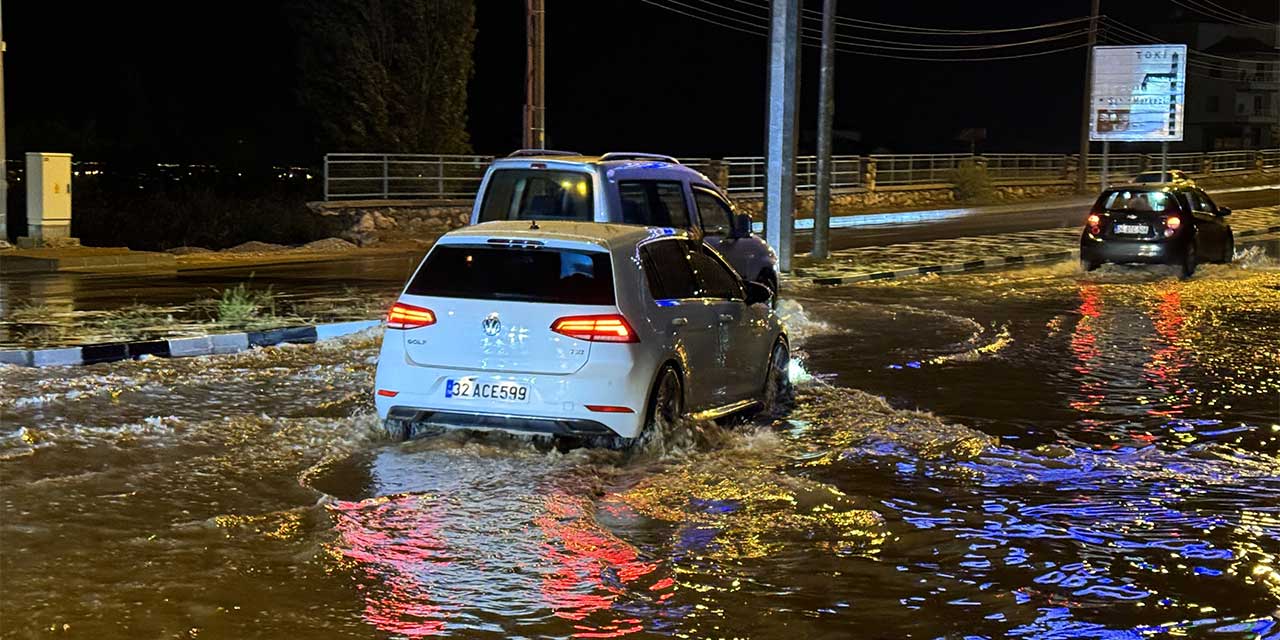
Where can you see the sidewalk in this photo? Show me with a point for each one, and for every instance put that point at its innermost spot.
(934, 215)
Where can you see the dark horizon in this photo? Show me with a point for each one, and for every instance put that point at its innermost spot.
(139, 81)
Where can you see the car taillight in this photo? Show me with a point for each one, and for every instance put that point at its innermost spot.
(604, 328)
(1171, 226)
(1094, 221)
(407, 316)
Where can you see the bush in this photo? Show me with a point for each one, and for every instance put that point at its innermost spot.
(239, 307)
(972, 184)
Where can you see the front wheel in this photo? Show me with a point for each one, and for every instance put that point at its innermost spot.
(1189, 260)
(778, 393)
(1229, 248)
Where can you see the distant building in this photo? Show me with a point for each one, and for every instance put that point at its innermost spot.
(1233, 93)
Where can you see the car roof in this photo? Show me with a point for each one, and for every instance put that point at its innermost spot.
(614, 237)
(1150, 186)
(616, 166)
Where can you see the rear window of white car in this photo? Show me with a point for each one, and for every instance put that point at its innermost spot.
(537, 194)
(527, 274)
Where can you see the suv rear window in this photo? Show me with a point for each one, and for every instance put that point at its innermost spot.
(537, 194)
(558, 276)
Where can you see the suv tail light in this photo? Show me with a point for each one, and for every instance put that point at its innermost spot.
(604, 328)
(1171, 226)
(1094, 221)
(407, 316)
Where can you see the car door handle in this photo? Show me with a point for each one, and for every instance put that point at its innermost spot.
(726, 317)
(679, 322)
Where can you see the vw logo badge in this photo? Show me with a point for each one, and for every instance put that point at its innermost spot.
(492, 325)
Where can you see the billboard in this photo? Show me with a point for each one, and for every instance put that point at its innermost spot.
(1138, 93)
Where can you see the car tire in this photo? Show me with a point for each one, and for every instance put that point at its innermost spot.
(397, 429)
(778, 394)
(1229, 248)
(664, 409)
(1087, 265)
(1190, 260)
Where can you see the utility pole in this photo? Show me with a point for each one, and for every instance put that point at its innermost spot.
(826, 114)
(780, 161)
(1082, 171)
(4, 166)
(535, 106)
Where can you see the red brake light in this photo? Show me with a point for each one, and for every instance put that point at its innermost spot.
(606, 328)
(387, 393)
(604, 408)
(1094, 220)
(407, 316)
(1173, 222)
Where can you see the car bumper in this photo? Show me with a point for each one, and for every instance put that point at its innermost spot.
(1130, 251)
(556, 404)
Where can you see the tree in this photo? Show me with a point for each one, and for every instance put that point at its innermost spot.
(387, 75)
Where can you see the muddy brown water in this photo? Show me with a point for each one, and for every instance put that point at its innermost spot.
(1092, 456)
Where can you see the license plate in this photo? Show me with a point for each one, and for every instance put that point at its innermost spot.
(1133, 229)
(472, 389)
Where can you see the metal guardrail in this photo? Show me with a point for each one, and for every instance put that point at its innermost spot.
(409, 176)
(1019, 167)
(918, 168)
(445, 177)
(1120, 166)
(1231, 160)
(1192, 163)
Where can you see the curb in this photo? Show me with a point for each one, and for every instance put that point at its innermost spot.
(978, 265)
(213, 344)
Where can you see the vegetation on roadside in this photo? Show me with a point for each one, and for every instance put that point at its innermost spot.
(972, 184)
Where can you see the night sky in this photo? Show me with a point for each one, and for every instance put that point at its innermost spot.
(193, 81)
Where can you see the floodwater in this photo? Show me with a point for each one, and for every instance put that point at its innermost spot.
(1056, 455)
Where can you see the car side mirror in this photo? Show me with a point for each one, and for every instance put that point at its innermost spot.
(1224, 212)
(741, 226)
(757, 293)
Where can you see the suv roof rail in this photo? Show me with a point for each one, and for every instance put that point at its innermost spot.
(522, 153)
(629, 155)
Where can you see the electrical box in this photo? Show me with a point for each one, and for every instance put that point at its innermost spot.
(48, 195)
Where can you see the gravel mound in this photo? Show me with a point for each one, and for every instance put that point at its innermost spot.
(184, 250)
(329, 244)
(253, 246)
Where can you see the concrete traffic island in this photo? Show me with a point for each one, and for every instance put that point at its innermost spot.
(212, 344)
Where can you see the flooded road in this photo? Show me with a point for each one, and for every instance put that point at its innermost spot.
(1056, 455)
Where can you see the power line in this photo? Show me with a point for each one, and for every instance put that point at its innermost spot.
(1137, 33)
(878, 43)
(1241, 16)
(871, 25)
(1223, 16)
(761, 29)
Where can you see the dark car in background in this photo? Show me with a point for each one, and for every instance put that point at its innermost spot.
(1156, 224)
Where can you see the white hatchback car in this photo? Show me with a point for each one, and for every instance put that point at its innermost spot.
(601, 332)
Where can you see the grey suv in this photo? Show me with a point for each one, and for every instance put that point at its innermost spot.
(627, 188)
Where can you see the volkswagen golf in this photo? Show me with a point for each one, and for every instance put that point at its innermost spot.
(601, 332)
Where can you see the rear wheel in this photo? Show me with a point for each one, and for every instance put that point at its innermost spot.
(1229, 248)
(778, 393)
(666, 406)
(1189, 260)
(397, 429)
(1088, 265)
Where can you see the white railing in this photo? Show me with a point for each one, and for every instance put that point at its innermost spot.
(445, 177)
(919, 168)
(358, 176)
(1231, 160)
(1021, 167)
